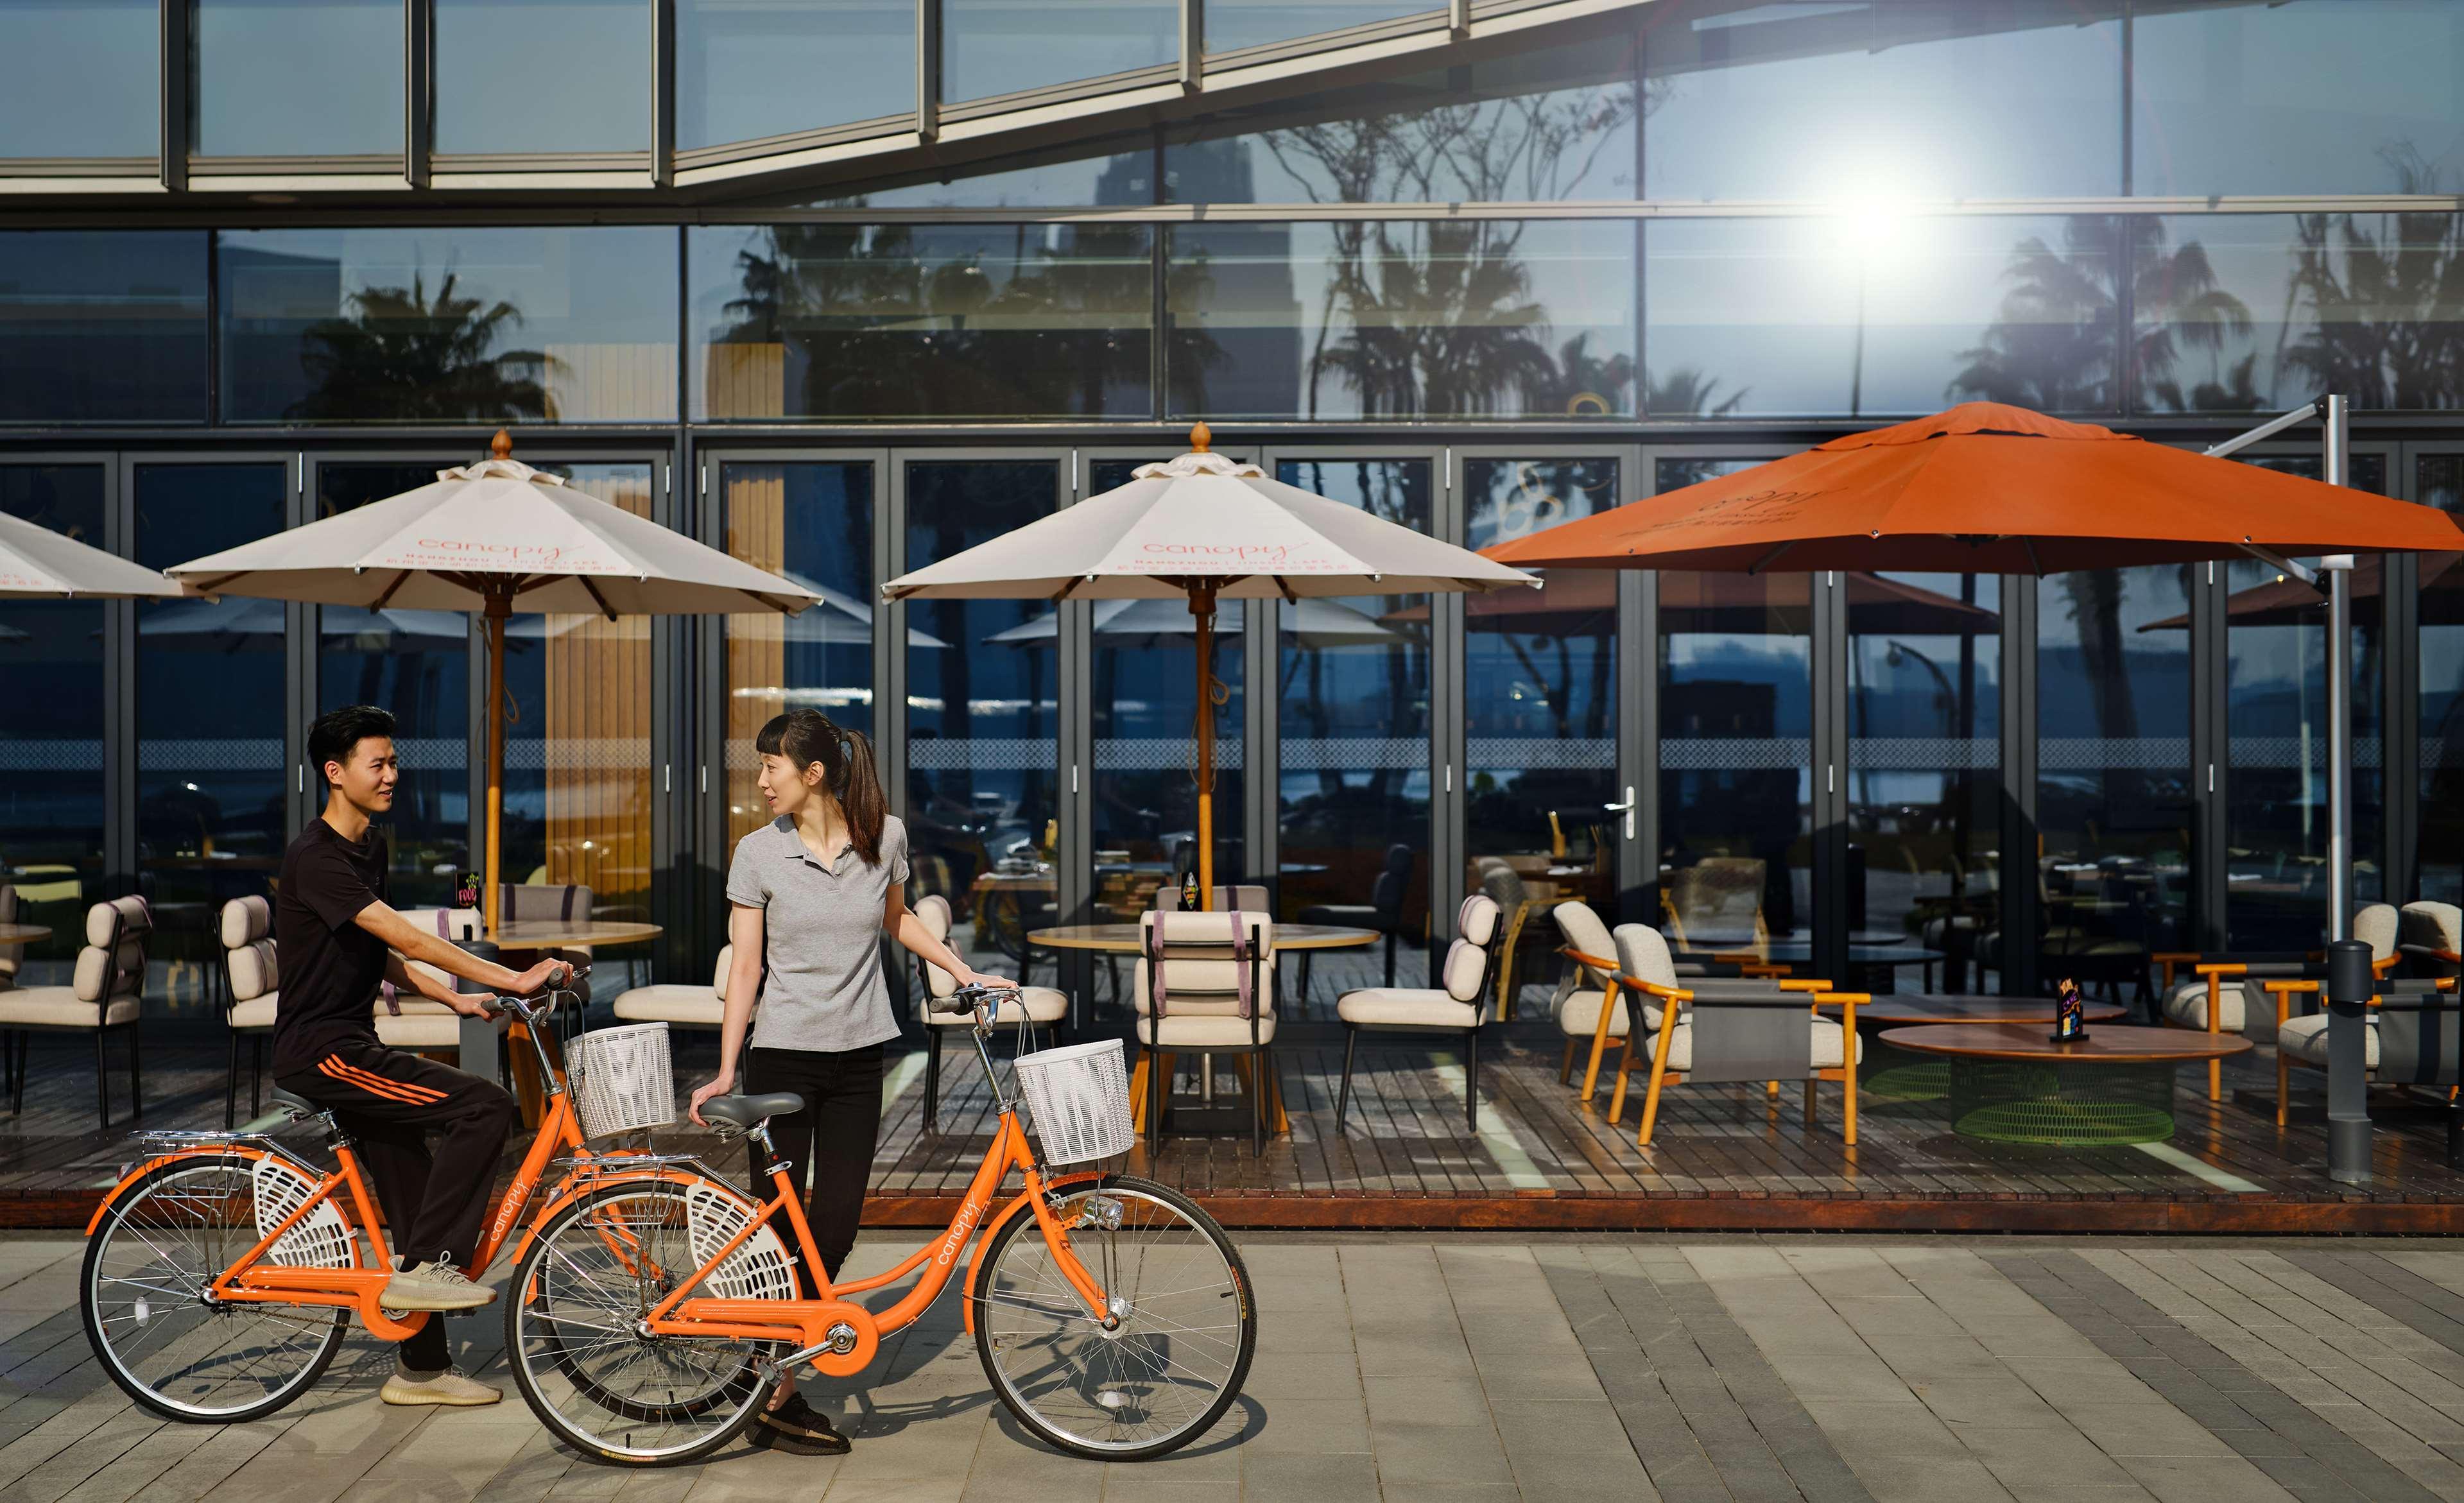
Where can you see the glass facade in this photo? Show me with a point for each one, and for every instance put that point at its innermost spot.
(996, 47)
(78, 78)
(532, 77)
(267, 84)
(745, 69)
(103, 326)
(2439, 481)
(1234, 24)
(448, 325)
(51, 732)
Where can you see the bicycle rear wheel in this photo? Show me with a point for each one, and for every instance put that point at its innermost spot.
(574, 1342)
(1175, 1362)
(164, 1340)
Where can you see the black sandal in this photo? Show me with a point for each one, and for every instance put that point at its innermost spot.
(799, 1430)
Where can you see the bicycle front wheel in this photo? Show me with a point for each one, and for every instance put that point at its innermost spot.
(573, 1334)
(159, 1333)
(1174, 1361)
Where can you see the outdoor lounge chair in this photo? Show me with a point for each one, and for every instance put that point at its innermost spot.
(1459, 1006)
(1588, 985)
(1720, 1030)
(1206, 985)
(104, 992)
(679, 1004)
(255, 977)
(1043, 1007)
(2217, 998)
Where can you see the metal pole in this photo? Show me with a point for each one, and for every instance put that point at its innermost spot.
(2339, 569)
(2350, 989)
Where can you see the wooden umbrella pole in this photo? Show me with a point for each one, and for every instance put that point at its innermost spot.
(499, 613)
(1201, 606)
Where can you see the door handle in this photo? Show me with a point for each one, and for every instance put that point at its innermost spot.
(1626, 808)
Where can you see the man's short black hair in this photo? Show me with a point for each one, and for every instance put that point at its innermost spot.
(335, 734)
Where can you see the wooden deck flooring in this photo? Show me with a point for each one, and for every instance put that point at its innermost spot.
(1724, 1157)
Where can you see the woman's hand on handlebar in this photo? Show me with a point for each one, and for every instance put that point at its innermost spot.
(704, 1092)
(987, 980)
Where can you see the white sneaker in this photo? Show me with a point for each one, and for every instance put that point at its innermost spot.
(434, 1286)
(452, 1386)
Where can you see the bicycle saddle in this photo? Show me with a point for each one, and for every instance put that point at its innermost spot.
(742, 1112)
(295, 1103)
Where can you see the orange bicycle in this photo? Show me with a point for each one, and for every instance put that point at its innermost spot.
(223, 1271)
(657, 1306)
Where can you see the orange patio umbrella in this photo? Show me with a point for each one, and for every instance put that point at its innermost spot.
(1985, 488)
(1725, 604)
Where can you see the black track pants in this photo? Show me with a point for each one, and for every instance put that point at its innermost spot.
(832, 1137)
(434, 1203)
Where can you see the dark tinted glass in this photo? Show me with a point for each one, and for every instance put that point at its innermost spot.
(991, 47)
(1879, 313)
(1897, 99)
(1534, 127)
(1400, 318)
(745, 69)
(2250, 312)
(78, 78)
(448, 325)
(103, 326)
(538, 75)
(1123, 175)
(1235, 24)
(51, 723)
(2440, 482)
(2297, 96)
(271, 80)
(923, 321)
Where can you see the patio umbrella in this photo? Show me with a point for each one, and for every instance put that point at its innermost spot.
(484, 539)
(1727, 604)
(37, 563)
(1310, 622)
(1203, 528)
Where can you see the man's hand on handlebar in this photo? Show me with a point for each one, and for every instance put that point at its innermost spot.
(549, 973)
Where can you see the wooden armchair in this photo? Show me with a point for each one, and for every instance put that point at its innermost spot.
(2218, 1002)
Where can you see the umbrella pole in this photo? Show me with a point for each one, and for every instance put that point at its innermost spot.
(501, 609)
(1201, 607)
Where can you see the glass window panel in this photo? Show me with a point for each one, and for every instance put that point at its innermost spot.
(1873, 315)
(2439, 481)
(1539, 687)
(2113, 782)
(1925, 769)
(1352, 788)
(416, 666)
(272, 78)
(2253, 313)
(923, 321)
(981, 720)
(810, 522)
(562, 325)
(2275, 675)
(2297, 96)
(1144, 785)
(1234, 24)
(79, 78)
(1124, 176)
(578, 738)
(1549, 125)
(1736, 750)
(211, 773)
(50, 727)
(992, 47)
(745, 69)
(543, 76)
(1403, 319)
(1831, 101)
(103, 326)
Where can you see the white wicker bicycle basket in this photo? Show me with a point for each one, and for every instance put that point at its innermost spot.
(624, 1080)
(1078, 1098)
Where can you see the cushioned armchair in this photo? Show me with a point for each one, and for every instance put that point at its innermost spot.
(104, 993)
(2218, 997)
(1040, 1007)
(1459, 1006)
(255, 978)
(1588, 983)
(679, 1004)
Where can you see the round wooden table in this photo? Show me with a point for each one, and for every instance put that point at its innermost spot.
(1122, 939)
(2015, 1084)
(23, 933)
(1929, 1080)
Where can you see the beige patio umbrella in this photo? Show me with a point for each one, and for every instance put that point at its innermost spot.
(38, 563)
(1205, 528)
(485, 538)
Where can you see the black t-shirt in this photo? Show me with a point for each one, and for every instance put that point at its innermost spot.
(331, 967)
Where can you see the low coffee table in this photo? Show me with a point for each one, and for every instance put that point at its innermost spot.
(2014, 1084)
(1929, 1080)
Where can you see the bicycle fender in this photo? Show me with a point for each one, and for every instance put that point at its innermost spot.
(575, 1186)
(202, 1152)
(992, 1228)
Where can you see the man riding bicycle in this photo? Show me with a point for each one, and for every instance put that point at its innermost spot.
(340, 944)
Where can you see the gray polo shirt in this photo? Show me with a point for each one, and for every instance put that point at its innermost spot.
(821, 932)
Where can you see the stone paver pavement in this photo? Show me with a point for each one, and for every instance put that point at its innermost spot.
(1693, 1370)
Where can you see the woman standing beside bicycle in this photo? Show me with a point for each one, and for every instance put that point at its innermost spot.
(810, 895)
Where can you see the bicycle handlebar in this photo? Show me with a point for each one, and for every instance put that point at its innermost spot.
(968, 998)
(526, 1008)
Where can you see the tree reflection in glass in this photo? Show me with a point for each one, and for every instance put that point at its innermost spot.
(400, 355)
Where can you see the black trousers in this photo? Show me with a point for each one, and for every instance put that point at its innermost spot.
(434, 1202)
(828, 1145)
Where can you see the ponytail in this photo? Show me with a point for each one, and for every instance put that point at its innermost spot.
(806, 737)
